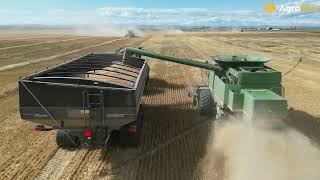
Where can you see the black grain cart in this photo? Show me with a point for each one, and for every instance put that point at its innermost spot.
(86, 99)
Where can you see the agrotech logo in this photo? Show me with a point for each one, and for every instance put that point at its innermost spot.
(270, 8)
(273, 8)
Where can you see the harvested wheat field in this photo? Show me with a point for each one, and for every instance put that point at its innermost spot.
(177, 143)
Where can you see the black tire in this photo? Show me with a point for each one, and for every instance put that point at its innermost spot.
(147, 80)
(205, 102)
(140, 121)
(66, 140)
(114, 137)
(126, 139)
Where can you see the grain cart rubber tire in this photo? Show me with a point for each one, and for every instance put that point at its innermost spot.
(205, 102)
(126, 139)
(66, 140)
(147, 80)
(140, 121)
(115, 137)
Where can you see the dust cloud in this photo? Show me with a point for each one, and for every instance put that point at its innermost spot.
(107, 30)
(172, 31)
(237, 152)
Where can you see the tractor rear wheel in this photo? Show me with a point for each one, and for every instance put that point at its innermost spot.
(205, 102)
(66, 140)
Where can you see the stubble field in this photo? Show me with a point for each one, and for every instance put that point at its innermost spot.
(174, 136)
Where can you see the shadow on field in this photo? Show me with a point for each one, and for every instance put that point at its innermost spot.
(174, 140)
(305, 123)
(156, 86)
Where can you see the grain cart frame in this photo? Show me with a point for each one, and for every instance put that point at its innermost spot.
(87, 98)
(238, 85)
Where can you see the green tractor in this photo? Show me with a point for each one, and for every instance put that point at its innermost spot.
(238, 85)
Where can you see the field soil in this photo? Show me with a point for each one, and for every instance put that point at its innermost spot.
(175, 140)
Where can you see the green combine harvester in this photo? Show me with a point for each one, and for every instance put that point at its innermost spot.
(130, 34)
(238, 85)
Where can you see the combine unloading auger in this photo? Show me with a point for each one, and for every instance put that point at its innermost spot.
(240, 85)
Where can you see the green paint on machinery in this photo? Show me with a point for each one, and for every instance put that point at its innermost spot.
(237, 84)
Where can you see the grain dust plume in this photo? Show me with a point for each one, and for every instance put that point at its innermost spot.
(107, 30)
(238, 152)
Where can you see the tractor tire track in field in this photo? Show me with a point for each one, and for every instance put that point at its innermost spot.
(23, 152)
(74, 164)
(45, 42)
(12, 66)
(54, 168)
(26, 38)
(11, 113)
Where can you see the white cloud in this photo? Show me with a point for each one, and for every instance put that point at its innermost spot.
(309, 2)
(154, 16)
(196, 16)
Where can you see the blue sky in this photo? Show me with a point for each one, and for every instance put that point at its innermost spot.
(152, 12)
(93, 4)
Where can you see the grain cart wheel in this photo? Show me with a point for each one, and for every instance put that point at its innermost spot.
(205, 102)
(66, 140)
(140, 121)
(147, 80)
(130, 133)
